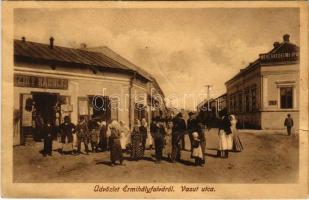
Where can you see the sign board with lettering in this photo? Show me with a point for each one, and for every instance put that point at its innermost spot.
(40, 82)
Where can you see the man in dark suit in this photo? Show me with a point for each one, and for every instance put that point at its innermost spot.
(192, 126)
(158, 136)
(179, 129)
(48, 139)
(182, 128)
(288, 122)
(66, 132)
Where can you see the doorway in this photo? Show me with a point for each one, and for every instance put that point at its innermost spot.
(45, 111)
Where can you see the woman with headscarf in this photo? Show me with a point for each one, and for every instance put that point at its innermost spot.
(202, 138)
(125, 131)
(225, 142)
(137, 151)
(168, 140)
(197, 152)
(176, 137)
(103, 136)
(237, 145)
(94, 131)
(115, 146)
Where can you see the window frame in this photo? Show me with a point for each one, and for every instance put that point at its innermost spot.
(288, 105)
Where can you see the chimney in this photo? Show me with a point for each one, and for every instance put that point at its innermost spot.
(286, 38)
(51, 42)
(276, 44)
(23, 39)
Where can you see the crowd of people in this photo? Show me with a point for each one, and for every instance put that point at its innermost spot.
(166, 134)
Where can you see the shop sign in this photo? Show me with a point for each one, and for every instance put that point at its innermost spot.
(40, 82)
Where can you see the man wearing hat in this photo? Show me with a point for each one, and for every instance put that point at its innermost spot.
(192, 126)
(158, 136)
(66, 133)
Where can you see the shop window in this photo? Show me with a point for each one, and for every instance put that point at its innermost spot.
(139, 111)
(83, 109)
(114, 108)
(65, 108)
(286, 97)
(99, 107)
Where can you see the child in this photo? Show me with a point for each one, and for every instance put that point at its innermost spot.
(82, 135)
(197, 153)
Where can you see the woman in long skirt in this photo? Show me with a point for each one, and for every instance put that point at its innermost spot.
(103, 136)
(124, 135)
(137, 151)
(237, 145)
(115, 148)
(197, 152)
(168, 140)
(222, 147)
(225, 136)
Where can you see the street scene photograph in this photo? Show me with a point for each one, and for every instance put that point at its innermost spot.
(156, 95)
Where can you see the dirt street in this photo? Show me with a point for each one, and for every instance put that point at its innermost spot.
(268, 157)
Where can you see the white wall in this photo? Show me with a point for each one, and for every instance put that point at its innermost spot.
(274, 76)
(81, 84)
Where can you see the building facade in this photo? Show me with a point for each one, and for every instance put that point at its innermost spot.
(51, 82)
(263, 93)
(215, 105)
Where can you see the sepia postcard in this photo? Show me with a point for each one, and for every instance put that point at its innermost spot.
(173, 100)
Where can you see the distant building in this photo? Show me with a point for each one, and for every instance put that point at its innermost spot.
(215, 105)
(209, 110)
(263, 93)
(53, 82)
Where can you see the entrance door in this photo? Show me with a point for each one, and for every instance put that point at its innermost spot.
(45, 105)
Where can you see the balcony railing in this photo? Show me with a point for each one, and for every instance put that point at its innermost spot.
(279, 57)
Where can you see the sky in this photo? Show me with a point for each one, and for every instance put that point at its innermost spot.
(183, 48)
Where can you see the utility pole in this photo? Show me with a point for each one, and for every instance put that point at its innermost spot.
(208, 95)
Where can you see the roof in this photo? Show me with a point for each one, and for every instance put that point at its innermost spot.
(116, 57)
(43, 52)
(282, 53)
